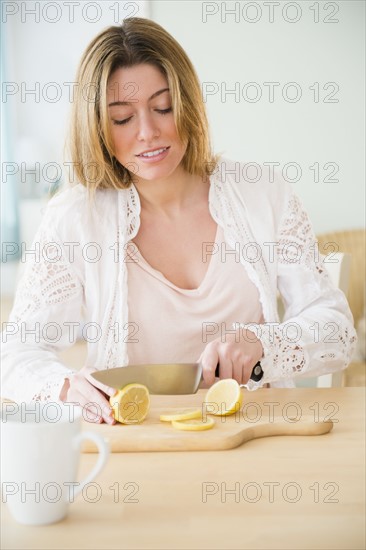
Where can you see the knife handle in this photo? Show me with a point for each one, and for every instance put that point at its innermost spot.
(257, 372)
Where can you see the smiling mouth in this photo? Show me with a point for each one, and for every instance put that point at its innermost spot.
(153, 153)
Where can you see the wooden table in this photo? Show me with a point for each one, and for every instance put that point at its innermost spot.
(278, 493)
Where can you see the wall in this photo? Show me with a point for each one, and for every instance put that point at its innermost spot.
(44, 48)
(327, 123)
(43, 43)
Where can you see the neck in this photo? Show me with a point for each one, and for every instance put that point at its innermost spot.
(172, 194)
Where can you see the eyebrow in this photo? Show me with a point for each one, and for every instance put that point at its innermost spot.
(114, 103)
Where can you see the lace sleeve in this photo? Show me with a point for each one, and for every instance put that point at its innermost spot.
(317, 335)
(43, 321)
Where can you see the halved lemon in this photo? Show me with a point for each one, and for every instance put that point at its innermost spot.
(182, 414)
(131, 404)
(194, 425)
(224, 398)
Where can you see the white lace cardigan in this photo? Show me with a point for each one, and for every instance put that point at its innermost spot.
(78, 275)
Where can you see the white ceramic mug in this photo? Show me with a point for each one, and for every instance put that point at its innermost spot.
(40, 450)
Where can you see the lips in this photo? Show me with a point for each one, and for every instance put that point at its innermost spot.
(153, 152)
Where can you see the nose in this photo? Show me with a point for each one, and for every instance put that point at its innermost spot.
(147, 129)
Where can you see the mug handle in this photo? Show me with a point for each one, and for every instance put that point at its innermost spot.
(103, 453)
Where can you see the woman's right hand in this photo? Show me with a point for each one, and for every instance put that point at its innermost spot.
(91, 395)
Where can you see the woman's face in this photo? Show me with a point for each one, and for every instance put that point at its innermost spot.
(143, 128)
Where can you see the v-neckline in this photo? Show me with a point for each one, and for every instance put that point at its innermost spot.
(162, 277)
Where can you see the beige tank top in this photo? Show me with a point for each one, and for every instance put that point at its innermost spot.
(169, 324)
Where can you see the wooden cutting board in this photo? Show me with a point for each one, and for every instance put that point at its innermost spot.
(228, 433)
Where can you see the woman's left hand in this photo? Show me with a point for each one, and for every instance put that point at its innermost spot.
(237, 355)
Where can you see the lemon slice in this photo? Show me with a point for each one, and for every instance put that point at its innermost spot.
(183, 414)
(225, 398)
(194, 425)
(130, 404)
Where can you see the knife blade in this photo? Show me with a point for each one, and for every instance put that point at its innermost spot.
(162, 379)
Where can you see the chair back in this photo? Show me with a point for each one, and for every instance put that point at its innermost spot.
(338, 265)
(351, 242)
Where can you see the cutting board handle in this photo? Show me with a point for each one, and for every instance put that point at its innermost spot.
(281, 428)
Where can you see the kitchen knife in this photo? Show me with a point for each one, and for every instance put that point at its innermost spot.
(162, 379)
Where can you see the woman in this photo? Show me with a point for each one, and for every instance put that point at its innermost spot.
(167, 252)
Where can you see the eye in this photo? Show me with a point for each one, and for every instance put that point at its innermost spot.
(126, 120)
(164, 111)
(120, 122)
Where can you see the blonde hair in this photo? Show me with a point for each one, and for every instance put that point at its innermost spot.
(133, 42)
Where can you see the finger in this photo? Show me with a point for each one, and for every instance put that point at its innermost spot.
(101, 408)
(226, 366)
(92, 412)
(89, 414)
(108, 390)
(247, 370)
(93, 401)
(238, 371)
(77, 398)
(209, 360)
